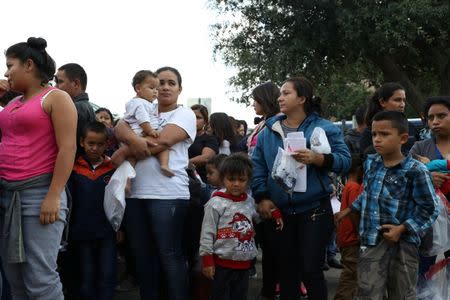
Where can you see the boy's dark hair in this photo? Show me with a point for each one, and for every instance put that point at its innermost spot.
(140, 76)
(398, 120)
(34, 49)
(74, 71)
(236, 165)
(357, 165)
(216, 160)
(96, 127)
(443, 100)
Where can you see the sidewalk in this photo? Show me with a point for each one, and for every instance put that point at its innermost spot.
(332, 277)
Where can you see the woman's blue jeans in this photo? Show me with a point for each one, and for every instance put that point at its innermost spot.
(155, 232)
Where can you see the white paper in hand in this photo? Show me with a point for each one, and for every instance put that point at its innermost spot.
(335, 205)
(319, 141)
(114, 200)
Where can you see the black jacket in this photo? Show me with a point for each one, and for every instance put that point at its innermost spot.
(85, 114)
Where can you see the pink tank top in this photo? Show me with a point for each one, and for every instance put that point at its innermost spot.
(28, 147)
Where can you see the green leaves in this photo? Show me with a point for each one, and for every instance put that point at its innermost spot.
(341, 45)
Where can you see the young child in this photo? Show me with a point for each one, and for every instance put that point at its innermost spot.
(90, 230)
(347, 233)
(227, 246)
(105, 116)
(213, 174)
(398, 204)
(142, 116)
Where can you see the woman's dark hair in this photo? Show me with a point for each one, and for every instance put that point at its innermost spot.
(101, 109)
(173, 70)
(243, 123)
(222, 128)
(443, 100)
(304, 88)
(140, 76)
(236, 164)
(383, 93)
(203, 111)
(266, 95)
(34, 49)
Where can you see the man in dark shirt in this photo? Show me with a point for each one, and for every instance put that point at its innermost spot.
(72, 79)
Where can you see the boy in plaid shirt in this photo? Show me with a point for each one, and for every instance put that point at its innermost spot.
(397, 206)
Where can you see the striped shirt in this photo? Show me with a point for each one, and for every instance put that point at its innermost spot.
(402, 194)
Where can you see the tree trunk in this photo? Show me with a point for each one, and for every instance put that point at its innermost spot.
(392, 72)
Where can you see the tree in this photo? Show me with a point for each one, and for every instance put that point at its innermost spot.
(336, 43)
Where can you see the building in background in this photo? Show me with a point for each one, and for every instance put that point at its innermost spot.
(203, 101)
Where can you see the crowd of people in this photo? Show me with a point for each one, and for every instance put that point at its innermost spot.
(204, 199)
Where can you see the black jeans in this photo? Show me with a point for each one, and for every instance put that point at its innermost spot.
(302, 252)
(230, 284)
(270, 244)
(97, 268)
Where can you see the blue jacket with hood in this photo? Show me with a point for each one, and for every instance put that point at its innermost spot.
(318, 181)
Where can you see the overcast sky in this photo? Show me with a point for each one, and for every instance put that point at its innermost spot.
(114, 39)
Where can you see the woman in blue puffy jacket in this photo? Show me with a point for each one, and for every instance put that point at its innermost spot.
(308, 217)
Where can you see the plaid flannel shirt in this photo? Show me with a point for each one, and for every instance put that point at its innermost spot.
(402, 194)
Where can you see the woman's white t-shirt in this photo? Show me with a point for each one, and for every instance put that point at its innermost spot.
(150, 182)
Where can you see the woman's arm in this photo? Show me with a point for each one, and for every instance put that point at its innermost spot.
(169, 136)
(200, 160)
(61, 109)
(138, 145)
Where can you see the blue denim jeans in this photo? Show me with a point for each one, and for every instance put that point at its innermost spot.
(97, 262)
(155, 232)
(36, 278)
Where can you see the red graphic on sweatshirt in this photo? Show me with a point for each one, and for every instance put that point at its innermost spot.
(242, 229)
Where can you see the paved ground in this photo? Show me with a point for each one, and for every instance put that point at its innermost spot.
(332, 277)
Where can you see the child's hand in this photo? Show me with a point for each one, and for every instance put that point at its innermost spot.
(340, 215)
(154, 133)
(422, 159)
(279, 223)
(391, 232)
(209, 272)
(439, 178)
(265, 208)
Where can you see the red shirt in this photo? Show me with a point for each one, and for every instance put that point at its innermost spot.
(347, 234)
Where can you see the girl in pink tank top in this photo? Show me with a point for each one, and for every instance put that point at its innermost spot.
(28, 146)
(36, 158)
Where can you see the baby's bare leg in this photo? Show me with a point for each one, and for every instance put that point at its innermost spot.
(163, 158)
(120, 155)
